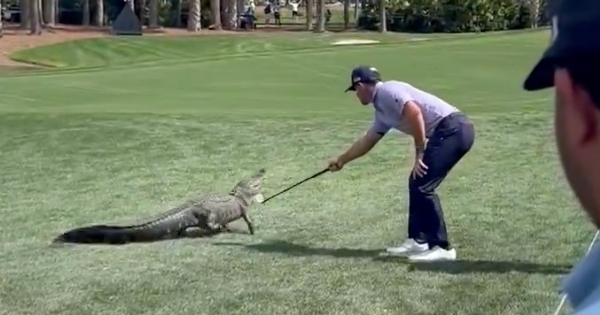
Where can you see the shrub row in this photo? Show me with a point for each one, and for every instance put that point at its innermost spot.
(452, 16)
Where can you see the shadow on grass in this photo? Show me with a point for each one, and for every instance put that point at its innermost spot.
(287, 248)
(454, 267)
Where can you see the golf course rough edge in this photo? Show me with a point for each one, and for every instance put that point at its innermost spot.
(357, 41)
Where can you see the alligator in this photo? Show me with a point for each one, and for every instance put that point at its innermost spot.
(208, 214)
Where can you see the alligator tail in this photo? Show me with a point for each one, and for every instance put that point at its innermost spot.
(100, 234)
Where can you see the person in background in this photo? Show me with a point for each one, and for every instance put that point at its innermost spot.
(572, 67)
(295, 6)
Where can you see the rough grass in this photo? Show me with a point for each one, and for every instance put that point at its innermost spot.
(121, 144)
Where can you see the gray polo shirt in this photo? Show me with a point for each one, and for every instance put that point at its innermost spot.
(389, 100)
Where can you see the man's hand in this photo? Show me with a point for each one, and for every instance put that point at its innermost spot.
(419, 169)
(335, 165)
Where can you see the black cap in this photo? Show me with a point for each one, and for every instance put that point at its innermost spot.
(364, 74)
(575, 32)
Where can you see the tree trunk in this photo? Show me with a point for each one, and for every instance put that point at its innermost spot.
(99, 16)
(56, 11)
(240, 9)
(1, 28)
(215, 12)
(178, 18)
(534, 13)
(382, 17)
(233, 15)
(193, 23)
(25, 19)
(40, 13)
(346, 14)
(356, 3)
(49, 9)
(35, 17)
(86, 13)
(321, 16)
(229, 14)
(309, 14)
(153, 14)
(131, 4)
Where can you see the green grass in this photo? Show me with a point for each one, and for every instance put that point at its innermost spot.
(123, 143)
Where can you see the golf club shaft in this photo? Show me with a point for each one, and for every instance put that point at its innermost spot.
(296, 184)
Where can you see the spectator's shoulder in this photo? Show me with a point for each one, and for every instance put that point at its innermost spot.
(592, 309)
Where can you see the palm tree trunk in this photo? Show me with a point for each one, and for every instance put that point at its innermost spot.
(320, 16)
(153, 14)
(233, 15)
(49, 9)
(34, 18)
(309, 14)
(178, 18)
(25, 19)
(215, 8)
(240, 8)
(346, 14)
(99, 16)
(193, 24)
(229, 14)
(534, 13)
(86, 13)
(1, 28)
(382, 17)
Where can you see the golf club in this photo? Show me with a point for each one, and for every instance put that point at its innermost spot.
(296, 184)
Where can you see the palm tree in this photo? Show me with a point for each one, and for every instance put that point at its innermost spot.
(86, 12)
(215, 12)
(1, 13)
(49, 10)
(99, 16)
(229, 15)
(35, 15)
(534, 12)
(320, 16)
(309, 14)
(382, 17)
(24, 10)
(346, 14)
(193, 24)
(153, 15)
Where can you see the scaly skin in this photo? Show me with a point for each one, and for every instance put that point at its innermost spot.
(211, 214)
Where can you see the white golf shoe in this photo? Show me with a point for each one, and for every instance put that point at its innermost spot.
(409, 247)
(435, 254)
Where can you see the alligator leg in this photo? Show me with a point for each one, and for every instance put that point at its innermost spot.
(249, 223)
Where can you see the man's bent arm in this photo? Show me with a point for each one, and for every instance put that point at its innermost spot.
(361, 147)
(413, 114)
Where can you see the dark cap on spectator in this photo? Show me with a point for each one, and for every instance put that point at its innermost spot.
(364, 74)
(575, 32)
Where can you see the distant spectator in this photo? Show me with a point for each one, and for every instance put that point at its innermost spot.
(268, 12)
(277, 13)
(248, 19)
(295, 6)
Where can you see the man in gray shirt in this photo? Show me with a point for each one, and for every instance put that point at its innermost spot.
(442, 136)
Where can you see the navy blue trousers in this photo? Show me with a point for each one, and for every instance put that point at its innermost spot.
(451, 140)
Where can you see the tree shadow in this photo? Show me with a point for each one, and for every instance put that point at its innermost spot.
(453, 267)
